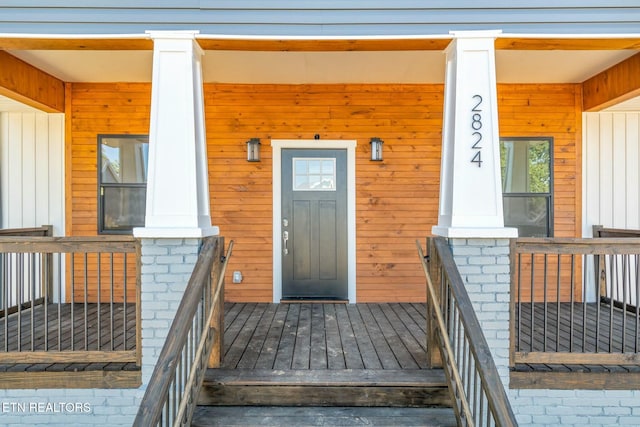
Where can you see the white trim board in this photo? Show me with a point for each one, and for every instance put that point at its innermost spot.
(277, 146)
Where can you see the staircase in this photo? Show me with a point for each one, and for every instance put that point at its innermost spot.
(324, 397)
(324, 364)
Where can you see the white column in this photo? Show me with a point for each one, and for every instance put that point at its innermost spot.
(470, 184)
(177, 181)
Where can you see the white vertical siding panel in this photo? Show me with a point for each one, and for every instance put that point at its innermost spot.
(56, 173)
(633, 164)
(618, 170)
(611, 194)
(29, 170)
(591, 154)
(41, 161)
(32, 170)
(14, 169)
(4, 173)
(606, 175)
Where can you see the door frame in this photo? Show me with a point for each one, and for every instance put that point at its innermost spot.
(277, 145)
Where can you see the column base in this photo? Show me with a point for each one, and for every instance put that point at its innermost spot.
(475, 232)
(175, 233)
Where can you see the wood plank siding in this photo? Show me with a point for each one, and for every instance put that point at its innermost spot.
(327, 17)
(396, 200)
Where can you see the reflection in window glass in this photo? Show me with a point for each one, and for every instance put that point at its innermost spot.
(314, 174)
(526, 166)
(123, 161)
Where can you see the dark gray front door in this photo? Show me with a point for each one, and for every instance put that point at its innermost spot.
(314, 224)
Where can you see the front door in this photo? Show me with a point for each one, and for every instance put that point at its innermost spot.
(314, 224)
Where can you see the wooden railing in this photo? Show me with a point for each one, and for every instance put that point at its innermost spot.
(14, 299)
(87, 293)
(618, 274)
(558, 315)
(477, 392)
(194, 339)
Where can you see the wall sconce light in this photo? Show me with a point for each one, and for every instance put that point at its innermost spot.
(376, 149)
(253, 150)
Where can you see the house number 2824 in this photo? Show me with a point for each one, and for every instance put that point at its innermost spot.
(476, 127)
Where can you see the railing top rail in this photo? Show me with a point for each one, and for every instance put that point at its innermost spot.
(150, 410)
(600, 231)
(45, 230)
(561, 245)
(492, 384)
(39, 244)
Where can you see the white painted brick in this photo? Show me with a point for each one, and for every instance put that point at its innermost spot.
(465, 251)
(169, 259)
(153, 250)
(545, 420)
(482, 260)
(496, 269)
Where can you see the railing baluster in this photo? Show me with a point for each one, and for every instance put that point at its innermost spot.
(86, 306)
(98, 299)
(584, 320)
(20, 285)
(614, 279)
(519, 301)
(572, 286)
(112, 285)
(637, 310)
(544, 302)
(124, 303)
(5, 301)
(73, 300)
(533, 304)
(46, 291)
(31, 279)
(558, 302)
(59, 318)
(625, 284)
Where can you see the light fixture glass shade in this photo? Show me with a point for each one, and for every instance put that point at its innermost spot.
(376, 149)
(253, 150)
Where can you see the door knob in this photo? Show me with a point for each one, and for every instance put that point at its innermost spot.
(285, 239)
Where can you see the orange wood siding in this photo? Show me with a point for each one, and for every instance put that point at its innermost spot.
(396, 200)
(119, 108)
(550, 110)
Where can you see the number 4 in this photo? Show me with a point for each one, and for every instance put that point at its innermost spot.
(477, 159)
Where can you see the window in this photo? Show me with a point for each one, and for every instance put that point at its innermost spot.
(122, 181)
(527, 185)
(316, 174)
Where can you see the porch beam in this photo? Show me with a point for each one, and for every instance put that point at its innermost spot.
(613, 85)
(27, 84)
(318, 44)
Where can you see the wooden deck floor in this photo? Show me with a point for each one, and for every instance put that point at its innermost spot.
(317, 336)
(596, 327)
(70, 327)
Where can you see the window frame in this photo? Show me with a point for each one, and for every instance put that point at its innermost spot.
(102, 185)
(548, 195)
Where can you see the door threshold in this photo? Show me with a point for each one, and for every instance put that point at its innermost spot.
(313, 301)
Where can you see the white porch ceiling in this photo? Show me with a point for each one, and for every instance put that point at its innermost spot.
(512, 66)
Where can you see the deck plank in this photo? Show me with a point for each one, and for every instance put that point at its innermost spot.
(254, 347)
(267, 356)
(403, 330)
(404, 357)
(335, 355)
(350, 349)
(367, 349)
(318, 359)
(284, 354)
(302, 347)
(243, 338)
(383, 350)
